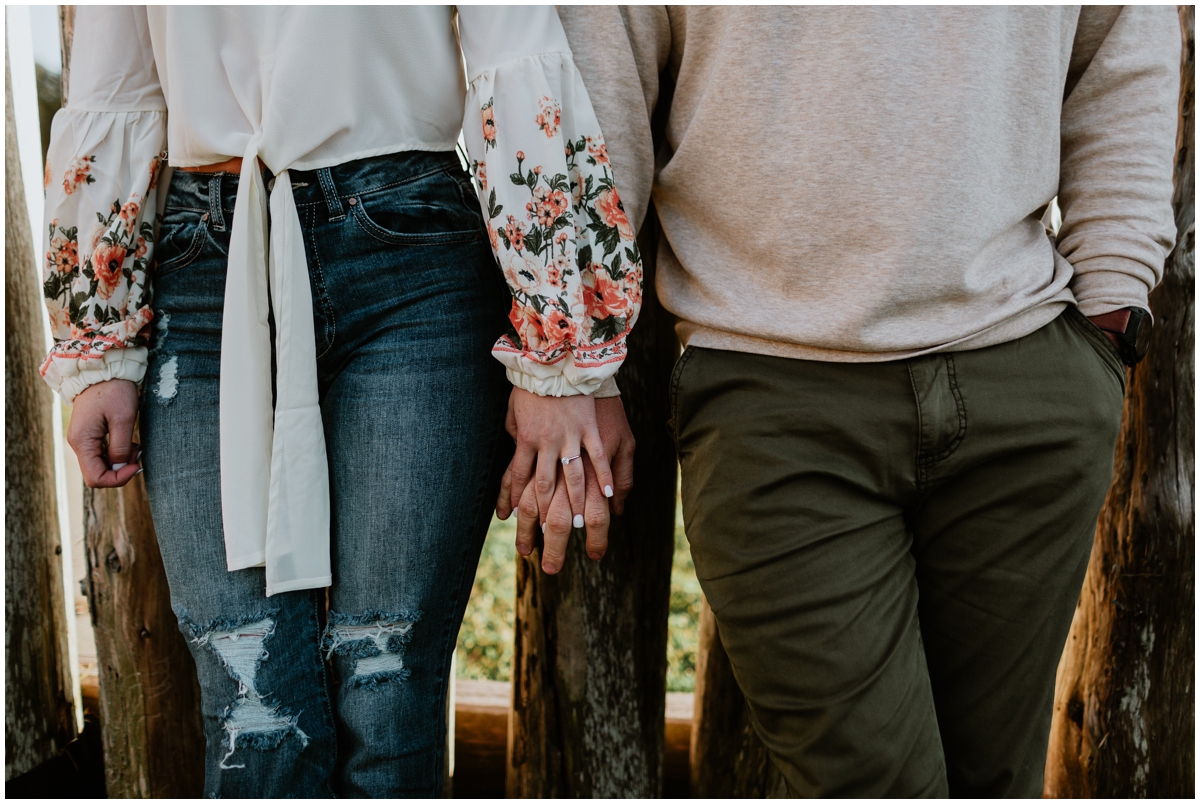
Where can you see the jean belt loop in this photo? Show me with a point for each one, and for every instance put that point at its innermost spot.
(215, 212)
(336, 211)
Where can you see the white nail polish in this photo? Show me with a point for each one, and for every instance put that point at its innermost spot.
(608, 491)
(119, 466)
(578, 521)
(543, 526)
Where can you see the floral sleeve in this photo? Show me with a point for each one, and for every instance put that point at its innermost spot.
(556, 224)
(102, 173)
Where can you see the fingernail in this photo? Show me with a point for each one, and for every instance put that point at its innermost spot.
(577, 521)
(608, 491)
(523, 549)
(594, 556)
(543, 526)
(138, 472)
(116, 467)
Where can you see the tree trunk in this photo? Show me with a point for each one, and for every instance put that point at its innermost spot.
(589, 658)
(149, 696)
(728, 760)
(1125, 703)
(39, 715)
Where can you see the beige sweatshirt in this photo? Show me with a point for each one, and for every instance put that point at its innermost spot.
(863, 184)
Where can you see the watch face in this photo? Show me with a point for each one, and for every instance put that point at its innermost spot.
(1141, 338)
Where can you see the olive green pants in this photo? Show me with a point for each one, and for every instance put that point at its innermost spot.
(893, 551)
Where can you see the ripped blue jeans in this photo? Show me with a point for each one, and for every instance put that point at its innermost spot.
(300, 700)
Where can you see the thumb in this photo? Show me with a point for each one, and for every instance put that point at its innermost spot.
(120, 440)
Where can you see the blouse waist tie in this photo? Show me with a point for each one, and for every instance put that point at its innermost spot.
(274, 473)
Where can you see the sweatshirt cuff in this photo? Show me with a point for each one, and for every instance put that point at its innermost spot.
(608, 389)
(1104, 284)
(71, 375)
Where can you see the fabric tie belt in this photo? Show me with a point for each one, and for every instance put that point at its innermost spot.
(274, 474)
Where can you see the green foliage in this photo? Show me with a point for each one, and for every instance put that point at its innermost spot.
(683, 622)
(486, 638)
(485, 641)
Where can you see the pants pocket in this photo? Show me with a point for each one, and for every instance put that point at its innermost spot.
(676, 373)
(1099, 343)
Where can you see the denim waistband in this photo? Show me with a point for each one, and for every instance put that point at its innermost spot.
(216, 193)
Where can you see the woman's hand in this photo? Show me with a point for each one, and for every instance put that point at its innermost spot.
(617, 441)
(548, 429)
(109, 409)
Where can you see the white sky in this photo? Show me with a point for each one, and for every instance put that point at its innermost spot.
(46, 50)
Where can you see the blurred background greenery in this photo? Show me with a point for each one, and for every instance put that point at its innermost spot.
(485, 641)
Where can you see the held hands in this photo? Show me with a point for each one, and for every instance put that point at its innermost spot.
(106, 409)
(558, 497)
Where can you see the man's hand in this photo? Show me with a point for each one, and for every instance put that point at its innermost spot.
(105, 409)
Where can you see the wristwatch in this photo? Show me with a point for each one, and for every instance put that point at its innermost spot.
(1131, 328)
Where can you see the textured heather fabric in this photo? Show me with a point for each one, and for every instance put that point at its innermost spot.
(868, 183)
(893, 551)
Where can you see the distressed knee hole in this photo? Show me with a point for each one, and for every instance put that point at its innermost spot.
(375, 641)
(251, 720)
(168, 380)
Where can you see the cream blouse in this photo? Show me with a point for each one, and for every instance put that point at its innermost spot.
(307, 87)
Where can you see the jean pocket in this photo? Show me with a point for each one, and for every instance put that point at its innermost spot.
(180, 241)
(1098, 340)
(430, 210)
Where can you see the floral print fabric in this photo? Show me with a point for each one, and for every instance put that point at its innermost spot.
(102, 175)
(556, 224)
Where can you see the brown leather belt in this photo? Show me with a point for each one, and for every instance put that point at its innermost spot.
(228, 166)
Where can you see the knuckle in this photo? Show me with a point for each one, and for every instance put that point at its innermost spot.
(544, 486)
(528, 508)
(596, 518)
(558, 521)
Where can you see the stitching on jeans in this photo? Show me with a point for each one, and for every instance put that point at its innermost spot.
(326, 304)
(326, 703)
(376, 231)
(382, 187)
(337, 212)
(187, 257)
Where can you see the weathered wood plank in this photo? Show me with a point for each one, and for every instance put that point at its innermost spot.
(149, 696)
(1124, 719)
(39, 718)
(589, 659)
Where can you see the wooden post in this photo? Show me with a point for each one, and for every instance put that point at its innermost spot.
(1124, 709)
(149, 696)
(39, 716)
(589, 658)
(728, 760)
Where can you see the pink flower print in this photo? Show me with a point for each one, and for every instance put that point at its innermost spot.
(489, 125)
(612, 212)
(549, 119)
(560, 329)
(528, 324)
(80, 172)
(598, 150)
(106, 262)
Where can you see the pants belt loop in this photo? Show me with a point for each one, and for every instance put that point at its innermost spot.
(214, 203)
(329, 190)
